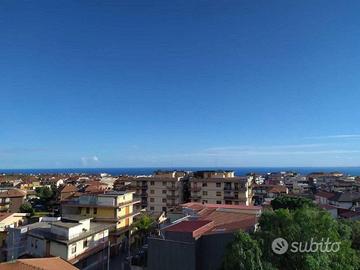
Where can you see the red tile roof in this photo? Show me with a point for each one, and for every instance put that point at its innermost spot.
(226, 218)
(324, 194)
(69, 188)
(187, 226)
(199, 206)
(12, 193)
(38, 264)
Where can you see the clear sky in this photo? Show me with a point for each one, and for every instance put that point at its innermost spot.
(179, 83)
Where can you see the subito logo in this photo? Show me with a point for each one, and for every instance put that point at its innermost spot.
(279, 246)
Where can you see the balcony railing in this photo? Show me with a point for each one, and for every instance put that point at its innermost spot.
(96, 204)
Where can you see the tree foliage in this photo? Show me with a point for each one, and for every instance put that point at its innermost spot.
(291, 203)
(298, 221)
(242, 254)
(27, 208)
(143, 226)
(44, 193)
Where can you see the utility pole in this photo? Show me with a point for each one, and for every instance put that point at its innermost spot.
(108, 256)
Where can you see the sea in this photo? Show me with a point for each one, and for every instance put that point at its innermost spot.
(353, 171)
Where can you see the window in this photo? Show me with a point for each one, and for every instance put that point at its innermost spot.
(204, 184)
(204, 201)
(164, 191)
(152, 208)
(164, 183)
(152, 183)
(218, 193)
(152, 200)
(205, 193)
(85, 243)
(73, 249)
(164, 209)
(152, 191)
(95, 211)
(218, 184)
(164, 200)
(36, 243)
(87, 210)
(218, 202)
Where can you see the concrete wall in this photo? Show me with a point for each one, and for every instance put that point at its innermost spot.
(166, 255)
(36, 247)
(211, 249)
(60, 250)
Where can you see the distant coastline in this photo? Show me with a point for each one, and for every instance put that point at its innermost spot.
(355, 171)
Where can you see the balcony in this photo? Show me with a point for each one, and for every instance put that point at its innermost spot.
(195, 196)
(172, 196)
(76, 203)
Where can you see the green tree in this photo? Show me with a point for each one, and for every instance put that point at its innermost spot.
(291, 203)
(243, 253)
(44, 193)
(305, 225)
(27, 208)
(143, 226)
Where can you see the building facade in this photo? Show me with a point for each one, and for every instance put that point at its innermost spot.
(114, 208)
(74, 239)
(221, 187)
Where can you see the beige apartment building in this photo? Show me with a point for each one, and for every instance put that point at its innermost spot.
(11, 200)
(221, 187)
(160, 192)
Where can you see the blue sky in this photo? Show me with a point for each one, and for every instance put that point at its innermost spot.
(179, 83)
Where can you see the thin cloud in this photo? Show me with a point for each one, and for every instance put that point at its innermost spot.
(85, 161)
(340, 136)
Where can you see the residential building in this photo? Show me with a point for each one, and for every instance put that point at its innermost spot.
(38, 264)
(265, 193)
(11, 200)
(73, 238)
(199, 239)
(160, 193)
(67, 192)
(112, 207)
(9, 220)
(221, 187)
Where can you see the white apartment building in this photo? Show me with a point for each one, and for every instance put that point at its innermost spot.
(74, 239)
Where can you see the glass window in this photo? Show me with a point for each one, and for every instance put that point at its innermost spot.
(85, 243)
(95, 211)
(73, 249)
(152, 183)
(87, 210)
(218, 184)
(218, 193)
